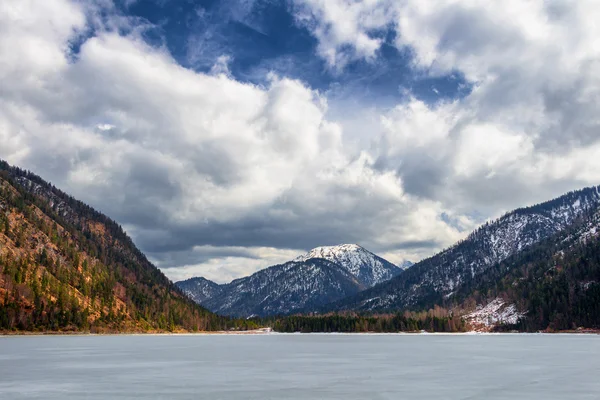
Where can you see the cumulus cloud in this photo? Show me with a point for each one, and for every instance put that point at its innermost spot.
(519, 136)
(212, 176)
(189, 161)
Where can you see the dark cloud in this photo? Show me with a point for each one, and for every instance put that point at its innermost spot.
(198, 255)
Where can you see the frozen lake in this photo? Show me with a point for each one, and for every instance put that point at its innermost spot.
(301, 367)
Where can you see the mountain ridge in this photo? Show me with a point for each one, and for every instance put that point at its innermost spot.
(356, 269)
(200, 289)
(552, 285)
(282, 289)
(491, 243)
(549, 285)
(66, 267)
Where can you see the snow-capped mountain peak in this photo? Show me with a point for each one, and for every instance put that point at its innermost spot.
(367, 267)
(321, 276)
(333, 252)
(280, 289)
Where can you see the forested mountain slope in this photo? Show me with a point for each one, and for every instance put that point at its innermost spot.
(431, 279)
(65, 266)
(200, 289)
(553, 285)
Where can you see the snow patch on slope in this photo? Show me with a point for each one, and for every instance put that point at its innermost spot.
(494, 313)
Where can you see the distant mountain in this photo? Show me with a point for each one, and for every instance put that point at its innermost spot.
(434, 279)
(65, 266)
(367, 267)
(322, 275)
(406, 264)
(200, 289)
(283, 289)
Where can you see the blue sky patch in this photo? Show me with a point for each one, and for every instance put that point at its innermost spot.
(262, 36)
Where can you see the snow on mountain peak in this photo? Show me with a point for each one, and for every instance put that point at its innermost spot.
(364, 265)
(329, 251)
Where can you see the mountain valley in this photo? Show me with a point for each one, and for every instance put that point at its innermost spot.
(66, 267)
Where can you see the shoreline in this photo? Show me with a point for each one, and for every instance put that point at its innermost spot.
(270, 332)
(261, 331)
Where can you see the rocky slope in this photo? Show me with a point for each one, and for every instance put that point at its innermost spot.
(440, 276)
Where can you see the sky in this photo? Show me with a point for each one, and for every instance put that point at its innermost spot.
(227, 136)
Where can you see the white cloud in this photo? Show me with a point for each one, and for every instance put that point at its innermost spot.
(485, 149)
(225, 268)
(519, 136)
(105, 127)
(194, 162)
(339, 24)
(186, 159)
(221, 66)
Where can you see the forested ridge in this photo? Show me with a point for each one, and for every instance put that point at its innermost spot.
(66, 267)
(555, 283)
(436, 319)
(429, 280)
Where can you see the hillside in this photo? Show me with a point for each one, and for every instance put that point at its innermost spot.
(553, 285)
(200, 289)
(65, 266)
(432, 279)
